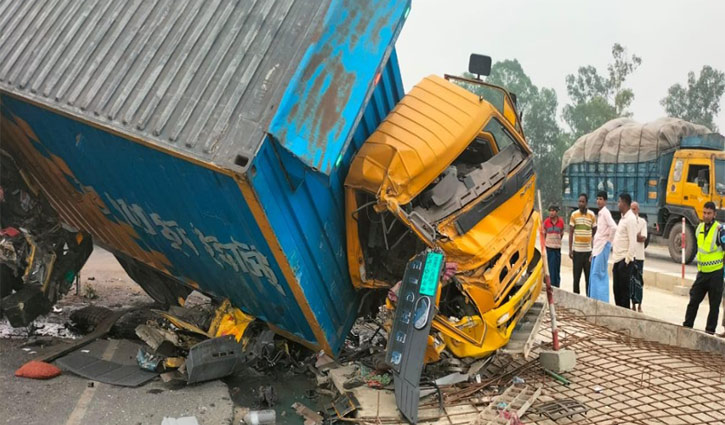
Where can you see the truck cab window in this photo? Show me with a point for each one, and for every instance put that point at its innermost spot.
(720, 176)
(699, 175)
(502, 137)
(678, 171)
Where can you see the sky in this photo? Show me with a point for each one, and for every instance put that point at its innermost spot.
(554, 38)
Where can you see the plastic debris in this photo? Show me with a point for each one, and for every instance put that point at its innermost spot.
(148, 361)
(229, 320)
(260, 417)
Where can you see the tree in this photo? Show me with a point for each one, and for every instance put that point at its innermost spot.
(699, 102)
(598, 98)
(538, 107)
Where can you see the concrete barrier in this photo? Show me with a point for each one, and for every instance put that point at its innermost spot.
(638, 325)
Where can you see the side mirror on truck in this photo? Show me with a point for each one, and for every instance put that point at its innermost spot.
(479, 65)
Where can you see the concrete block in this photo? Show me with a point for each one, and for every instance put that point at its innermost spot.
(628, 322)
(558, 361)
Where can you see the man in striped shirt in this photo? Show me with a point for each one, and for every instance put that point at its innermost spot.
(582, 225)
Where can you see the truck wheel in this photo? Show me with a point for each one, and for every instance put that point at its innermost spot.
(675, 243)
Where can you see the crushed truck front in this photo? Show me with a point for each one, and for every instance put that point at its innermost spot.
(450, 169)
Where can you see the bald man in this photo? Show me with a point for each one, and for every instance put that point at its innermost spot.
(637, 276)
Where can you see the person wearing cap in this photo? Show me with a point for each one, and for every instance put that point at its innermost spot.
(553, 229)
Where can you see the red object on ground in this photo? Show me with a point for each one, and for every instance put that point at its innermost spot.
(37, 370)
(10, 231)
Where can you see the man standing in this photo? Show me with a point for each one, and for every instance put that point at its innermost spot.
(606, 227)
(623, 247)
(582, 225)
(553, 229)
(709, 278)
(638, 276)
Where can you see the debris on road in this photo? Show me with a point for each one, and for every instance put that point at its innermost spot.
(311, 417)
(186, 420)
(560, 409)
(511, 406)
(37, 370)
(91, 367)
(260, 417)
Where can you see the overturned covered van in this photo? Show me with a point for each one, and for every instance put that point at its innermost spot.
(205, 143)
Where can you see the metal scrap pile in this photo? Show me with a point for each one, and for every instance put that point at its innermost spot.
(201, 343)
(39, 259)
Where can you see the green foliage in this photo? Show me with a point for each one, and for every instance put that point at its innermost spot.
(537, 107)
(699, 102)
(597, 98)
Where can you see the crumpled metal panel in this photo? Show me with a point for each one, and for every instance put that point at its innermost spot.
(187, 221)
(420, 138)
(320, 110)
(309, 221)
(186, 75)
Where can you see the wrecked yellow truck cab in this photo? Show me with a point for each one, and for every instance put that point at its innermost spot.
(450, 169)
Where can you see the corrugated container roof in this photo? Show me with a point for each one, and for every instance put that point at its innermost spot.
(199, 77)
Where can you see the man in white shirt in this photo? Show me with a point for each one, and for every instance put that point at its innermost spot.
(601, 246)
(638, 276)
(623, 252)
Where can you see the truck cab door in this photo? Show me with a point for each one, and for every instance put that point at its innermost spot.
(697, 183)
(675, 182)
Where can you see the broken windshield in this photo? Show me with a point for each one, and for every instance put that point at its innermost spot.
(487, 160)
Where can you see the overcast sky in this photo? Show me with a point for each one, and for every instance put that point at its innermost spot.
(553, 38)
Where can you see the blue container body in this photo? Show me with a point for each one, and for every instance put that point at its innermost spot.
(266, 231)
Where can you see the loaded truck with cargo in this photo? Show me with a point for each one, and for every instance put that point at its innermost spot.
(670, 167)
(262, 152)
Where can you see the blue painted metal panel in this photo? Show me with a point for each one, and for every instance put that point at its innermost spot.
(713, 141)
(632, 178)
(189, 219)
(192, 219)
(308, 218)
(320, 110)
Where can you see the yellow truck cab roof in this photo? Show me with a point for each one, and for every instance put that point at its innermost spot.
(427, 130)
(699, 153)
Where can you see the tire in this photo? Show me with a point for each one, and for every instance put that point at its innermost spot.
(87, 318)
(675, 241)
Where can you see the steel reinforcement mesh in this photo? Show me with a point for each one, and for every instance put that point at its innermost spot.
(620, 379)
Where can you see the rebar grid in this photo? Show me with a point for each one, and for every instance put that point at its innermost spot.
(627, 380)
(623, 380)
